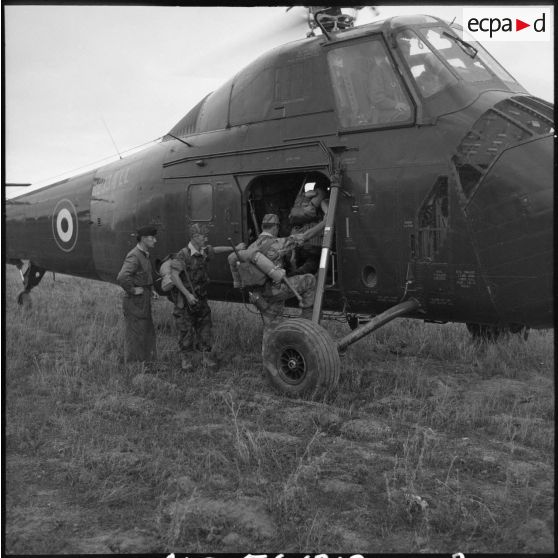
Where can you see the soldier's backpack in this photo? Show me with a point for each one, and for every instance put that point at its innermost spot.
(250, 274)
(304, 209)
(163, 283)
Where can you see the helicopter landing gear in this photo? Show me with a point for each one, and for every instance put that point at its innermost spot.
(301, 358)
(24, 299)
(354, 320)
(482, 333)
(31, 277)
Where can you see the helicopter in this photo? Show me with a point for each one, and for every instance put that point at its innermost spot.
(437, 164)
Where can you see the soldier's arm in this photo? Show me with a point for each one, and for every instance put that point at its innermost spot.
(222, 249)
(125, 277)
(315, 230)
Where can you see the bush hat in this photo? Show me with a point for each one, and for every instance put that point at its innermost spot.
(198, 228)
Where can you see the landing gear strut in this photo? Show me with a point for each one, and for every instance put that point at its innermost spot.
(301, 358)
(31, 277)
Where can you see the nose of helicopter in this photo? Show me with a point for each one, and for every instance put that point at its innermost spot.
(511, 218)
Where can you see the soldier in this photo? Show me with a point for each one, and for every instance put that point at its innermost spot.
(136, 279)
(387, 97)
(191, 310)
(270, 298)
(309, 209)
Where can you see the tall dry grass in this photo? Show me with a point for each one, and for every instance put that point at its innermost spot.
(430, 443)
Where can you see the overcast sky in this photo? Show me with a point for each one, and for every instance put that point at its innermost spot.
(72, 72)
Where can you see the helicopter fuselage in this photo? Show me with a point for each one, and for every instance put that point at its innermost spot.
(448, 201)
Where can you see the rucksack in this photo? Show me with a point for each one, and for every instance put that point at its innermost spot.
(303, 210)
(163, 283)
(250, 275)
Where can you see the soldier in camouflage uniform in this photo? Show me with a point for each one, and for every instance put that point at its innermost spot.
(274, 295)
(191, 310)
(136, 279)
(313, 205)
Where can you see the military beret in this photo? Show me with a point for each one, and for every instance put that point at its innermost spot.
(146, 231)
(270, 218)
(198, 228)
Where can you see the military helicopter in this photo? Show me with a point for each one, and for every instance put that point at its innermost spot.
(437, 162)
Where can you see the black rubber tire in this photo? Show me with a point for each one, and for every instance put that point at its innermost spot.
(301, 358)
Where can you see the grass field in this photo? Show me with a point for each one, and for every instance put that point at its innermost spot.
(430, 444)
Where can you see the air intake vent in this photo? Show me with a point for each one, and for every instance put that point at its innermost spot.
(508, 123)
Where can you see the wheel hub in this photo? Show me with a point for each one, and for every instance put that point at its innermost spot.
(292, 366)
(292, 363)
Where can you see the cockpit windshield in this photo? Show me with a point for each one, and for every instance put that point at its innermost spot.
(462, 58)
(430, 75)
(487, 59)
(429, 52)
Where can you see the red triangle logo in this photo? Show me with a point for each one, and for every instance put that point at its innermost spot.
(519, 25)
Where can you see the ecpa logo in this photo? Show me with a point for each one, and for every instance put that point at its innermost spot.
(509, 23)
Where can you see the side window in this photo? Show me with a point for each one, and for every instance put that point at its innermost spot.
(367, 89)
(200, 202)
(213, 112)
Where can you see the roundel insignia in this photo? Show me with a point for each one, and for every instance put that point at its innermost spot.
(65, 225)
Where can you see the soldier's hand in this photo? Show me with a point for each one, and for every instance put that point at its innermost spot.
(155, 296)
(240, 246)
(138, 290)
(192, 300)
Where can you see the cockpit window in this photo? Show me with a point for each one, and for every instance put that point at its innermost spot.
(430, 75)
(463, 58)
(366, 87)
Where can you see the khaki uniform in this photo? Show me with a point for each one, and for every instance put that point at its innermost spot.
(193, 324)
(140, 332)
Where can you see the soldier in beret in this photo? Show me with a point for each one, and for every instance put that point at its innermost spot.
(192, 313)
(136, 278)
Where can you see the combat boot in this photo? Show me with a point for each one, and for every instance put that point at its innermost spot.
(258, 301)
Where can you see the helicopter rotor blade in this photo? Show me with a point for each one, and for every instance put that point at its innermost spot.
(242, 46)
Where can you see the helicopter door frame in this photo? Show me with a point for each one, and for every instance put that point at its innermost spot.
(252, 213)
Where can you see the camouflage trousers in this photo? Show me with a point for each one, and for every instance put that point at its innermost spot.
(275, 295)
(139, 328)
(194, 327)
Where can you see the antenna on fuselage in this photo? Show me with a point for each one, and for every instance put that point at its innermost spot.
(112, 139)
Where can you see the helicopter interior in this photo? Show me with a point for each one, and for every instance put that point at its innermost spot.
(277, 194)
